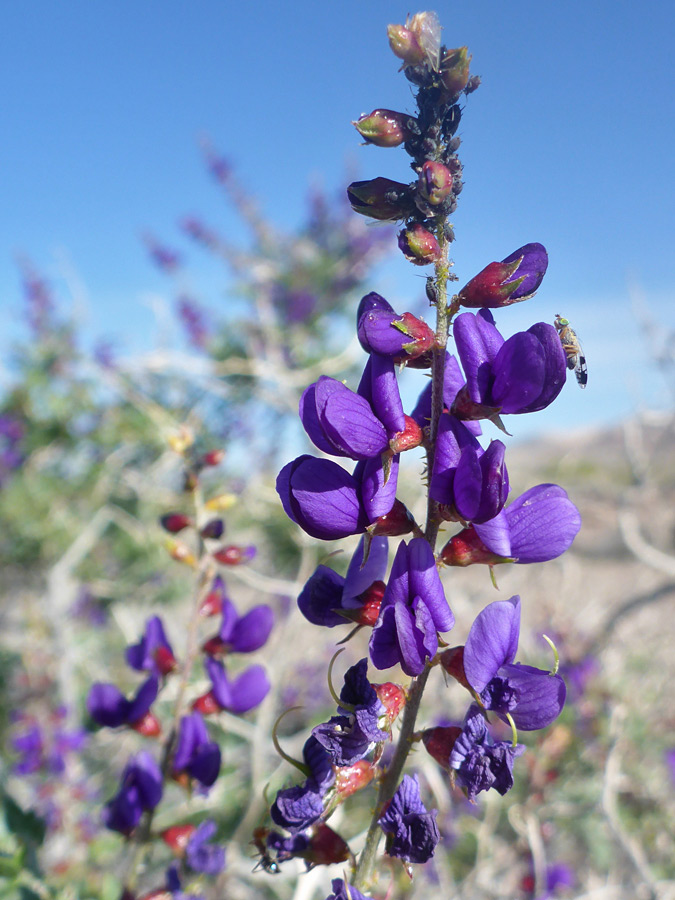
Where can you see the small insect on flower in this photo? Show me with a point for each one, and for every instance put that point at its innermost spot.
(575, 355)
(265, 860)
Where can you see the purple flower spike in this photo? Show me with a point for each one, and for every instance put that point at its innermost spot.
(109, 707)
(322, 498)
(480, 762)
(524, 374)
(414, 608)
(533, 697)
(244, 693)
(539, 525)
(141, 789)
(326, 591)
(202, 856)
(153, 652)
(195, 753)
(412, 833)
(344, 891)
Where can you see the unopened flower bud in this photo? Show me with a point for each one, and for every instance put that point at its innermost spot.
(513, 279)
(411, 436)
(418, 245)
(181, 553)
(396, 522)
(148, 725)
(392, 697)
(435, 182)
(350, 779)
(213, 529)
(233, 555)
(212, 604)
(382, 199)
(452, 661)
(221, 503)
(455, 72)
(177, 836)
(385, 127)
(207, 704)
(439, 742)
(175, 522)
(466, 549)
(213, 458)
(405, 45)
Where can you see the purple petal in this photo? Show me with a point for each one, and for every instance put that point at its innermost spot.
(249, 689)
(541, 696)
(310, 422)
(519, 372)
(555, 365)
(496, 534)
(360, 576)
(478, 343)
(425, 583)
(348, 421)
(543, 522)
(322, 594)
(376, 496)
(492, 641)
(107, 705)
(146, 696)
(533, 267)
(383, 393)
(252, 630)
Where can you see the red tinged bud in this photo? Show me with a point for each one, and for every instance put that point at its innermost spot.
(422, 337)
(212, 604)
(207, 704)
(491, 287)
(439, 742)
(468, 410)
(166, 661)
(177, 837)
(148, 725)
(385, 128)
(405, 45)
(213, 530)
(350, 779)
(396, 522)
(418, 245)
(382, 199)
(454, 72)
(452, 661)
(466, 548)
(213, 458)
(234, 556)
(393, 697)
(215, 646)
(411, 436)
(326, 847)
(175, 522)
(435, 182)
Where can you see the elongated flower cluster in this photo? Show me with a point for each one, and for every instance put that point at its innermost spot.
(189, 757)
(352, 488)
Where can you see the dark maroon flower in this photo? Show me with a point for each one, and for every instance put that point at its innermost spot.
(381, 198)
(412, 832)
(414, 609)
(196, 754)
(141, 789)
(513, 279)
(480, 762)
(523, 374)
(153, 652)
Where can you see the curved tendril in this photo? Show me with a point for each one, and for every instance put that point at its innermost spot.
(556, 655)
(277, 746)
(350, 635)
(514, 730)
(348, 706)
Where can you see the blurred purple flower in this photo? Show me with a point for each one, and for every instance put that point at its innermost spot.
(241, 634)
(247, 690)
(153, 652)
(202, 856)
(108, 706)
(193, 318)
(140, 790)
(196, 754)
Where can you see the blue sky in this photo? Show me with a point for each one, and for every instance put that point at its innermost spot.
(569, 141)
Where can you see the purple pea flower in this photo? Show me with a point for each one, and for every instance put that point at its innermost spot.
(480, 762)
(108, 706)
(400, 338)
(354, 732)
(202, 856)
(532, 697)
(522, 374)
(239, 696)
(538, 526)
(195, 754)
(140, 790)
(241, 634)
(473, 483)
(153, 652)
(357, 425)
(326, 594)
(412, 832)
(344, 891)
(515, 278)
(298, 807)
(414, 609)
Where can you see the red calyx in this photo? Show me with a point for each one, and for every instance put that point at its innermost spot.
(466, 548)
(392, 697)
(213, 457)
(212, 604)
(177, 837)
(326, 847)
(148, 725)
(166, 661)
(215, 646)
(439, 742)
(452, 661)
(396, 522)
(175, 522)
(411, 436)
(206, 704)
(233, 555)
(350, 779)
